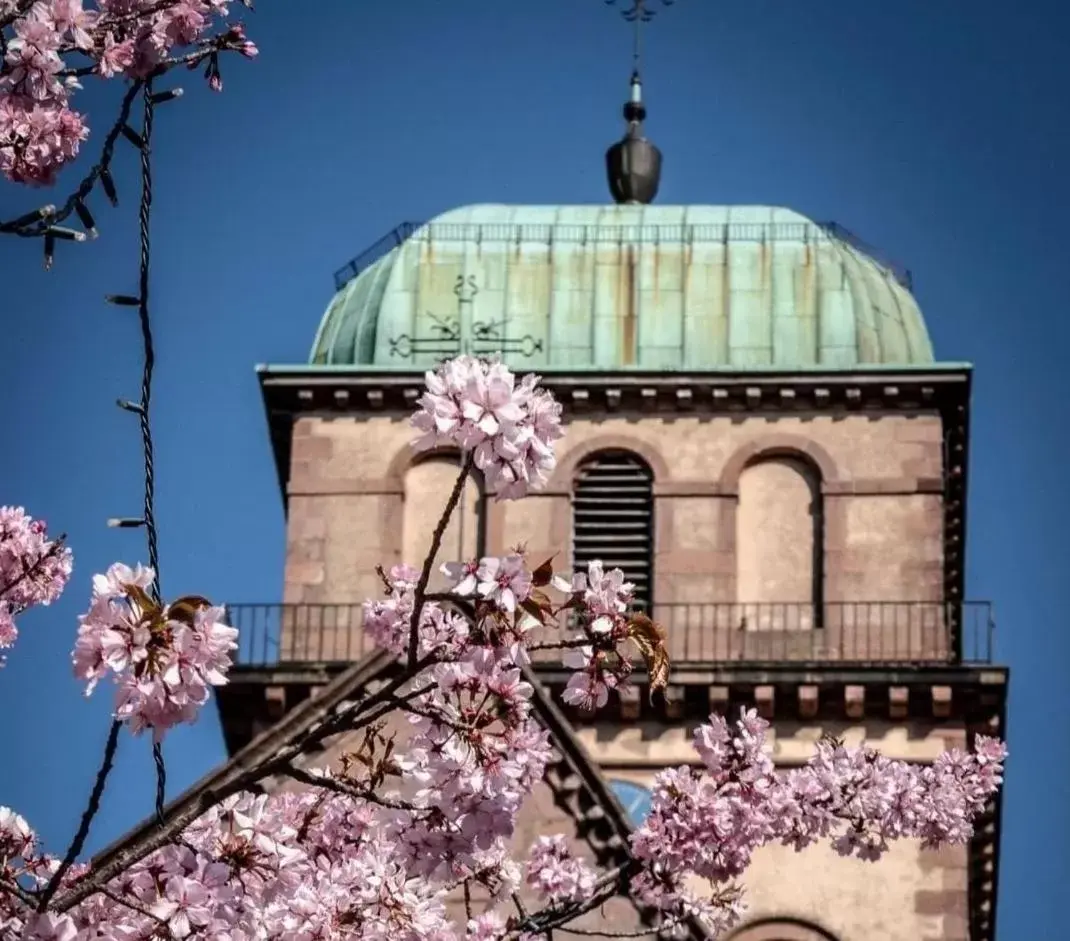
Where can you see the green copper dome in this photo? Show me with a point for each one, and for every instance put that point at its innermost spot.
(618, 287)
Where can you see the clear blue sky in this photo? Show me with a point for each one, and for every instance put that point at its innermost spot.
(936, 131)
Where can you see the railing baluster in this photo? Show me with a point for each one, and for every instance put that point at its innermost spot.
(899, 632)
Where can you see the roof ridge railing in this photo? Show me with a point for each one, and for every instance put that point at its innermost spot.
(594, 232)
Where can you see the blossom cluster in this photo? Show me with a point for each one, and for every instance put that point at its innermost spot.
(164, 657)
(708, 822)
(478, 406)
(39, 130)
(380, 848)
(423, 809)
(558, 875)
(374, 851)
(33, 568)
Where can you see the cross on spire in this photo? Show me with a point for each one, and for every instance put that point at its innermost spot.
(637, 12)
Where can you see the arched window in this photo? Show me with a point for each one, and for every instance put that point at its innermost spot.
(428, 484)
(780, 929)
(780, 544)
(634, 798)
(613, 518)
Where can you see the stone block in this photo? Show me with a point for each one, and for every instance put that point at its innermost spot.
(765, 700)
(718, 698)
(941, 700)
(898, 702)
(854, 701)
(630, 706)
(808, 700)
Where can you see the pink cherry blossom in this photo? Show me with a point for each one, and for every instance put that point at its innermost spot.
(504, 581)
(490, 926)
(464, 576)
(558, 875)
(163, 657)
(477, 405)
(33, 569)
(39, 130)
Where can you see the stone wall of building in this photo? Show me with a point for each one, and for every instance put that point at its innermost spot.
(755, 520)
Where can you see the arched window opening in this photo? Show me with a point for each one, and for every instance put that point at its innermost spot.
(780, 545)
(613, 518)
(781, 929)
(428, 484)
(634, 798)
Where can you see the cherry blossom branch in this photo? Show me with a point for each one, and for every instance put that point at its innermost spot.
(90, 812)
(176, 822)
(33, 569)
(554, 916)
(12, 888)
(17, 9)
(596, 933)
(40, 133)
(561, 644)
(341, 722)
(37, 224)
(328, 783)
(135, 907)
(436, 543)
(161, 836)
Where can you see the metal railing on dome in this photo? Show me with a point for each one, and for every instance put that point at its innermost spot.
(580, 233)
(907, 633)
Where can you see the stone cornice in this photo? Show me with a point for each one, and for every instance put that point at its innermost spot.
(290, 392)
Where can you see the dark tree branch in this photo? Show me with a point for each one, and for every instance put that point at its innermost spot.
(32, 570)
(436, 543)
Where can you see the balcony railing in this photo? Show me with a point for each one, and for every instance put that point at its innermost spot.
(763, 634)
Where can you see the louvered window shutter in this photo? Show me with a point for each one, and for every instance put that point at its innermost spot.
(613, 518)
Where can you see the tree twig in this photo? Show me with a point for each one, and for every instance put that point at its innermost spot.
(349, 790)
(31, 570)
(436, 543)
(31, 230)
(13, 888)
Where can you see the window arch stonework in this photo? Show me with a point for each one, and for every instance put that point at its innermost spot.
(568, 462)
(773, 445)
(781, 930)
(780, 542)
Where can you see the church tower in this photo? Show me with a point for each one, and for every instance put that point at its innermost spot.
(757, 431)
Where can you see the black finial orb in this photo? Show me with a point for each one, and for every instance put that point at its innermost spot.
(633, 164)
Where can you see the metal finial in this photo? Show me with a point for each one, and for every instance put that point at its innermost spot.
(633, 164)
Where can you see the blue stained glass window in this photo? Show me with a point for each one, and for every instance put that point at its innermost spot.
(634, 798)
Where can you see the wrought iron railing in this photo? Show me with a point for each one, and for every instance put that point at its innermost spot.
(768, 633)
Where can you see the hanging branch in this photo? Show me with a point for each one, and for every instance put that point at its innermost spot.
(46, 221)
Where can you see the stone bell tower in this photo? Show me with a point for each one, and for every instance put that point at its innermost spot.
(758, 433)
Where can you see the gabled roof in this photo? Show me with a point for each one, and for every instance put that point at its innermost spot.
(576, 784)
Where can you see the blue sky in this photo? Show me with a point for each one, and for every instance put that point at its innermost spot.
(936, 131)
